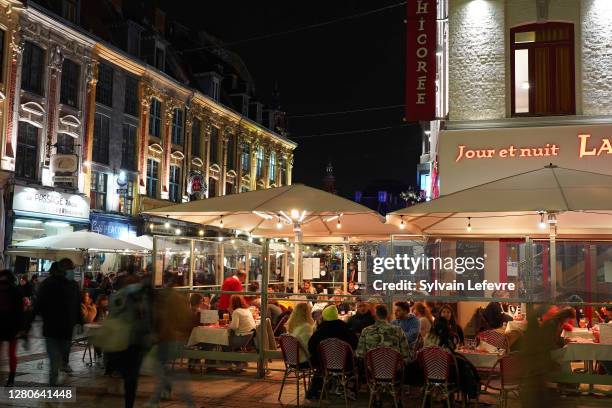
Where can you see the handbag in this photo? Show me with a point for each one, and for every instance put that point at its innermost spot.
(113, 335)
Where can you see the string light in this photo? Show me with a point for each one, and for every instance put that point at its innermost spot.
(542, 222)
(469, 226)
(402, 225)
(166, 225)
(151, 226)
(279, 224)
(178, 231)
(201, 232)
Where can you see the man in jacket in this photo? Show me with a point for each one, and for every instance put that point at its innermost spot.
(361, 319)
(58, 302)
(383, 334)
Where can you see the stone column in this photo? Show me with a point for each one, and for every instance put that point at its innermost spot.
(12, 100)
(187, 146)
(143, 139)
(167, 147)
(266, 166)
(226, 134)
(254, 149)
(289, 167)
(206, 159)
(239, 141)
(89, 117)
(279, 163)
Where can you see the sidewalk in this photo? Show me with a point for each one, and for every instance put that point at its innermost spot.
(219, 388)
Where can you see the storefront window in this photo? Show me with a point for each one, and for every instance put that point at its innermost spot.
(126, 200)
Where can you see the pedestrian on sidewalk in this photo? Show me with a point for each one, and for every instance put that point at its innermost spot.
(11, 318)
(132, 303)
(59, 303)
(172, 323)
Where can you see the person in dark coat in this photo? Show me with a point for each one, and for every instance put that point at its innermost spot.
(59, 303)
(330, 327)
(11, 318)
(361, 319)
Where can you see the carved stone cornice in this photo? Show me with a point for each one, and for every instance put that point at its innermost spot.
(17, 43)
(170, 106)
(91, 74)
(56, 60)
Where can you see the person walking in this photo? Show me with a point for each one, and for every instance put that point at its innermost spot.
(59, 303)
(12, 318)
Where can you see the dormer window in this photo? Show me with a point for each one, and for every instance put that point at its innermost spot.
(214, 89)
(160, 58)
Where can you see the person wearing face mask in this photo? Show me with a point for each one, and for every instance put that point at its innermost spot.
(58, 302)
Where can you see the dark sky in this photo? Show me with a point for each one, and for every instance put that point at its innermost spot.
(352, 64)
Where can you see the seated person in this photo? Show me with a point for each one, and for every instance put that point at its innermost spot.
(195, 300)
(440, 335)
(301, 325)
(447, 312)
(422, 312)
(341, 302)
(383, 334)
(242, 324)
(353, 289)
(308, 288)
(361, 319)
(274, 311)
(408, 322)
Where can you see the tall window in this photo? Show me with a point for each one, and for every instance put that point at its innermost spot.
(128, 147)
(152, 178)
(131, 96)
(1, 53)
(283, 170)
(272, 166)
(155, 118)
(104, 88)
(214, 145)
(212, 187)
(101, 139)
(260, 160)
(543, 69)
(126, 200)
(70, 83)
(27, 151)
(160, 58)
(177, 126)
(65, 144)
(97, 198)
(245, 158)
(175, 184)
(231, 153)
(32, 68)
(196, 146)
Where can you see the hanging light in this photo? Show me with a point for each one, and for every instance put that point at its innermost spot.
(221, 222)
(166, 225)
(469, 226)
(201, 232)
(151, 226)
(279, 224)
(177, 231)
(402, 224)
(220, 239)
(338, 224)
(295, 214)
(542, 222)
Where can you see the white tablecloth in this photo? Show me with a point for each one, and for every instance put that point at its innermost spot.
(479, 359)
(210, 335)
(584, 351)
(578, 333)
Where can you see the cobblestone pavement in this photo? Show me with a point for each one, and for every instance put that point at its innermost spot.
(218, 388)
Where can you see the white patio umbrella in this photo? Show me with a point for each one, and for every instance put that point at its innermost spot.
(540, 202)
(73, 245)
(295, 211)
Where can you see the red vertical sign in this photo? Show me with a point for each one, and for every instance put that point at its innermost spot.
(421, 60)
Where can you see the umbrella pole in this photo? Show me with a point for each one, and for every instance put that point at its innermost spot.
(297, 260)
(345, 252)
(192, 263)
(552, 222)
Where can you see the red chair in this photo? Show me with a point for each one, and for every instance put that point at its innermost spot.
(508, 378)
(337, 363)
(384, 372)
(494, 338)
(292, 349)
(437, 364)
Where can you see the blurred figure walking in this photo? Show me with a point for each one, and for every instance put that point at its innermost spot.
(12, 318)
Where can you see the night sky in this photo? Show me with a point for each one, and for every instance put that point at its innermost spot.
(351, 64)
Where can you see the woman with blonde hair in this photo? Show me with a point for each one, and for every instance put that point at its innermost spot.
(421, 311)
(301, 326)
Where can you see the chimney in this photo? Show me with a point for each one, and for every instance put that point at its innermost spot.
(160, 21)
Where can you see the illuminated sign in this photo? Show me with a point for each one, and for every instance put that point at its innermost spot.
(50, 202)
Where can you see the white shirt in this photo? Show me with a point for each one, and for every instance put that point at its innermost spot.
(242, 322)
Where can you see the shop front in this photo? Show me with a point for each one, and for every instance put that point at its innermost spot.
(39, 212)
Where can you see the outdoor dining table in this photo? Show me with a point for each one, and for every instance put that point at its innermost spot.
(212, 334)
(580, 349)
(480, 359)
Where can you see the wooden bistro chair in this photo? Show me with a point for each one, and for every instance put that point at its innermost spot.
(437, 364)
(337, 364)
(384, 373)
(508, 378)
(292, 349)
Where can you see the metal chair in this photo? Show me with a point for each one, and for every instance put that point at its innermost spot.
(437, 363)
(508, 378)
(337, 363)
(292, 349)
(384, 372)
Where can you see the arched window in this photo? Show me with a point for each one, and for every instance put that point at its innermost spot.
(543, 72)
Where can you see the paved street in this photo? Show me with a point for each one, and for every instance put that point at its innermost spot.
(219, 388)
